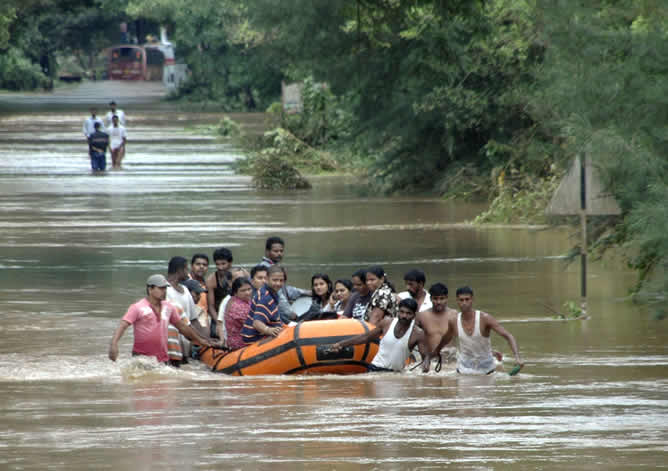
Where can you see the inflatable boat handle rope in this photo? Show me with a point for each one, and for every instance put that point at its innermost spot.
(439, 364)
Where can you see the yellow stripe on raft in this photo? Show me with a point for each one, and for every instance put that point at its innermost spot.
(300, 349)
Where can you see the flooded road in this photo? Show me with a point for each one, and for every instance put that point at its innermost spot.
(75, 250)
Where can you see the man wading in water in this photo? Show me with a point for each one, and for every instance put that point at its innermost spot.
(400, 335)
(118, 142)
(473, 330)
(150, 318)
(436, 323)
(98, 141)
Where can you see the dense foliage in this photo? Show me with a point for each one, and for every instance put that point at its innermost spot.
(33, 33)
(471, 97)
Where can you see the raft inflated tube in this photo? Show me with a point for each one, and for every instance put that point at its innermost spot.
(300, 349)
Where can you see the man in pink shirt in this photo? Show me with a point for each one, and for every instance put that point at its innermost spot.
(150, 318)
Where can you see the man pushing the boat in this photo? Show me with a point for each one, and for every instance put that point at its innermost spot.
(473, 330)
(150, 318)
(399, 336)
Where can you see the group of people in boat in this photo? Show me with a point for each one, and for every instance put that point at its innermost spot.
(231, 308)
(102, 134)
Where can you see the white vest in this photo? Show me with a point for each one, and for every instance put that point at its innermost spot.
(393, 352)
(474, 353)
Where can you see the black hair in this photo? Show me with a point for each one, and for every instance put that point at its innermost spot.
(222, 254)
(273, 240)
(347, 283)
(464, 290)
(199, 255)
(380, 273)
(176, 264)
(361, 274)
(285, 272)
(330, 288)
(238, 283)
(258, 268)
(415, 275)
(275, 269)
(438, 289)
(409, 303)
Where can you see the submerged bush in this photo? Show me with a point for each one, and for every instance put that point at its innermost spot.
(271, 170)
(520, 197)
(228, 128)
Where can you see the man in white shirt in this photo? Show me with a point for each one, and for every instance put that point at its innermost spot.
(89, 123)
(118, 138)
(115, 112)
(179, 295)
(415, 281)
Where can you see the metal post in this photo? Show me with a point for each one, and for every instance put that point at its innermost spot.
(583, 231)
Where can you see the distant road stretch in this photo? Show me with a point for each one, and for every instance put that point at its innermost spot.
(98, 93)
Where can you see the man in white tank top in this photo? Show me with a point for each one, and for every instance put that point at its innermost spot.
(399, 337)
(472, 329)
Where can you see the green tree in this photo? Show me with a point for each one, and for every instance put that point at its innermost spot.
(224, 53)
(600, 92)
(33, 32)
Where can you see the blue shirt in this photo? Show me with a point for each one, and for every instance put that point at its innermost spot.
(264, 308)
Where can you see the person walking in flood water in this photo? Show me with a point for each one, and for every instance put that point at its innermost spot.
(473, 328)
(89, 126)
(399, 336)
(118, 140)
(89, 123)
(150, 318)
(113, 111)
(436, 322)
(98, 142)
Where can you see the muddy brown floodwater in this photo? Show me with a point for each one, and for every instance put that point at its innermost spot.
(75, 250)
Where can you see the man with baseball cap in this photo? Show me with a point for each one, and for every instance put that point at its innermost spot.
(150, 318)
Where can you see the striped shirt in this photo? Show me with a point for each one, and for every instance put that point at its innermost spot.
(264, 308)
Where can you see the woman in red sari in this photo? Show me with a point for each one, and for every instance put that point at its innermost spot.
(236, 312)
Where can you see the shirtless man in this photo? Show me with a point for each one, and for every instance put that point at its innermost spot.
(399, 336)
(436, 322)
(473, 330)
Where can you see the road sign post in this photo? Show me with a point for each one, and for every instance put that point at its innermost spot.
(582, 178)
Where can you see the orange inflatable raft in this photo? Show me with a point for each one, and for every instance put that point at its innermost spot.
(299, 349)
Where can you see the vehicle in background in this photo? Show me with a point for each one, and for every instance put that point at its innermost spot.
(151, 61)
